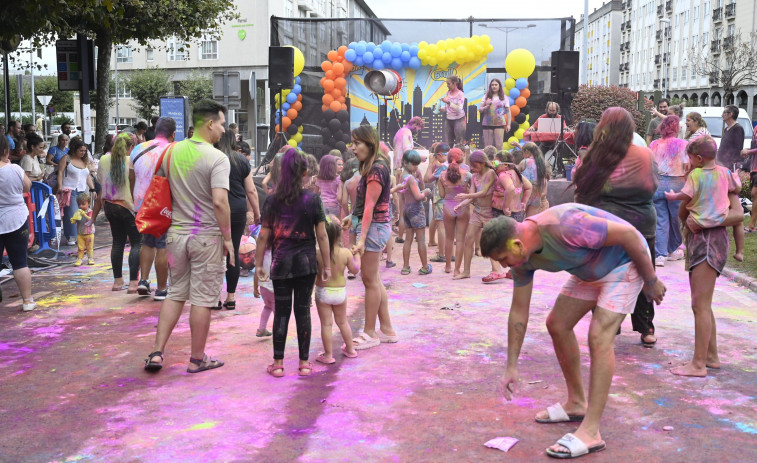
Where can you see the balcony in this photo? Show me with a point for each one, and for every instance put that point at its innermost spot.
(628, 45)
(659, 11)
(717, 14)
(626, 66)
(715, 47)
(658, 59)
(656, 83)
(713, 78)
(730, 10)
(669, 6)
(620, 68)
(659, 35)
(728, 41)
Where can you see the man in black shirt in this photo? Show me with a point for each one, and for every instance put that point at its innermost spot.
(732, 142)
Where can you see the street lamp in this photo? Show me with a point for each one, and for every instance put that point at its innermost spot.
(665, 55)
(506, 30)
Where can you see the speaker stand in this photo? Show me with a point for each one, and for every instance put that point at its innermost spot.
(279, 139)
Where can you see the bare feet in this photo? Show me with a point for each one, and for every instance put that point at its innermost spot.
(118, 284)
(688, 369)
(648, 339)
(461, 276)
(431, 244)
(589, 440)
(713, 362)
(132, 289)
(739, 256)
(448, 269)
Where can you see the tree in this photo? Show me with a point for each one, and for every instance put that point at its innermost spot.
(111, 22)
(591, 101)
(146, 87)
(734, 67)
(196, 87)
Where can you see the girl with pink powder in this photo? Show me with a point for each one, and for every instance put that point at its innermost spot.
(706, 211)
(454, 108)
(413, 212)
(331, 294)
(454, 181)
(328, 184)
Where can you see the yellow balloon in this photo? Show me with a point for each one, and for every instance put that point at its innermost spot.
(299, 60)
(520, 63)
(519, 134)
(509, 83)
(300, 129)
(512, 140)
(292, 143)
(525, 126)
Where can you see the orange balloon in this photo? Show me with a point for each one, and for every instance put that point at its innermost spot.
(347, 66)
(292, 113)
(525, 93)
(341, 99)
(520, 102)
(285, 122)
(333, 54)
(299, 98)
(327, 99)
(514, 110)
(326, 66)
(323, 79)
(278, 128)
(344, 107)
(338, 69)
(340, 82)
(330, 74)
(336, 93)
(323, 108)
(341, 50)
(335, 106)
(328, 85)
(297, 105)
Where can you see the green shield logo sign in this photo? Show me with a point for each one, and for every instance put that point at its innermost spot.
(242, 34)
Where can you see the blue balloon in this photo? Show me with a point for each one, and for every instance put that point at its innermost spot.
(360, 48)
(352, 45)
(386, 46)
(396, 64)
(405, 56)
(359, 61)
(370, 46)
(405, 47)
(286, 106)
(414, 50)
(368, 57)
(297, 80)
(350, 55)
(512, 100)
(396, 50)
(514, 93)
(521, 83)
(386, 57)
(378, 65)
(414, 63)
(297, 89)
(291, 98)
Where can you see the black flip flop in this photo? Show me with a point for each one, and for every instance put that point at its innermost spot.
(230, 305)
(153, 366)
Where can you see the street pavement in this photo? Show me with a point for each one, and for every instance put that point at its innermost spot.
(73, 388)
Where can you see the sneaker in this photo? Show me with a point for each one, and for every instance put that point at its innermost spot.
(78, 262)
(659, 261)
(143, 288)
(438, 258)
(71, 242)
(91, 262)
(160, 295)
(29, 306)
(676, 255)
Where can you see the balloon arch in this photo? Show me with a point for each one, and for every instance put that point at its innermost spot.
(519, 63)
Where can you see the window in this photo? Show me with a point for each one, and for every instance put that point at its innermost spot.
(208, 48)
(288, 9)
(696, 12)
(150, 54)
(121, 89)
(731, 30)
(123, 55)
(177, 51)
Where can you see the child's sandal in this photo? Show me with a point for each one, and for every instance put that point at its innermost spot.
(406, 271)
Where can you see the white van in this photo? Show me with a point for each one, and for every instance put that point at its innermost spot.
(713, 117)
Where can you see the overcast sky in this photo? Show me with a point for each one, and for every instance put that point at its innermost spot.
(460, 9)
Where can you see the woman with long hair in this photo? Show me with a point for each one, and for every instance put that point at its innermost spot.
(496, 120)
(672, 165)
(292, 221)
(118, 201)
(243, 207)
(35, 146)
(73, 178)
(454, 108)
(619, 177)
(373, 232)
(454, 181)
(535, 169)
(695, 126)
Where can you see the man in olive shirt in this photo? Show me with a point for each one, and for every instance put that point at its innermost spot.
(652, 133)
(200, 234)
(732, 141)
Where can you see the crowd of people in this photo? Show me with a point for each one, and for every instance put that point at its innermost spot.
(634, 208)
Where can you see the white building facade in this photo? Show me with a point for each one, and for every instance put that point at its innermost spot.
(602, 66)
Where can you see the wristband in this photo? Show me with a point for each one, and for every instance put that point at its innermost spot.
(652, 281)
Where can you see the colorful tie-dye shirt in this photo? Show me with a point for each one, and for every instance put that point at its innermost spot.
(144, 169)
(379, 173)
(708, 190)
(456, 106)
(403, 141)
(670, 156)
(495, 114)
(573, 239)
(629, 190)
(293, 234)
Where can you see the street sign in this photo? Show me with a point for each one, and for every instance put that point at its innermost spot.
(176, 107)
(44, 100)
(70, 66)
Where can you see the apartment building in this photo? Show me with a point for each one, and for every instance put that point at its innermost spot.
(243, 47)
(602, 66)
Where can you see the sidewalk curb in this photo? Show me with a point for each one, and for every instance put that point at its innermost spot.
(741, 279)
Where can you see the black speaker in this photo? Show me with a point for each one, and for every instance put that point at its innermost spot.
(280, 67)
(565, 71)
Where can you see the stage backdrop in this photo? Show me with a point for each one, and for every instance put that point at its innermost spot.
(421, 95)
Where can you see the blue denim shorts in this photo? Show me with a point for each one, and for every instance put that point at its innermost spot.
(378, 235)
(152, 242)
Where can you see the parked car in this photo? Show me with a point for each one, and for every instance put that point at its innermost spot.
(713, 118)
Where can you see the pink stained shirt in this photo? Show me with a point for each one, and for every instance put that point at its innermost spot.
(670, 156)
(456, 106)
(329, 191)
(708, 190)
(403, 141)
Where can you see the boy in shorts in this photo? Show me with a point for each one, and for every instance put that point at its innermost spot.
(610, 263)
